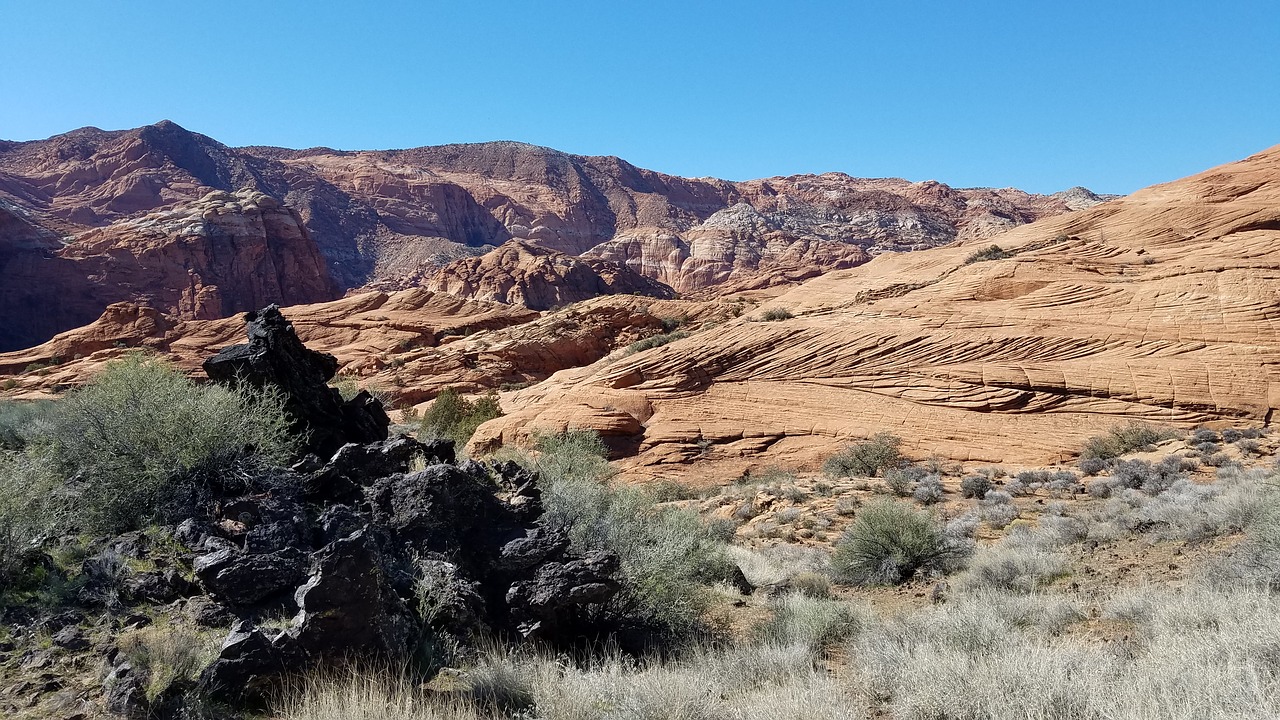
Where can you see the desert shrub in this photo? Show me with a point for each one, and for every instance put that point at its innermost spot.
(141, 440)
(811, 584)
(928, 490)
(1013, 569)
(900, 480)
(454, 417)
(33, 504)
(759, 567)
(1206, 448)
(869, 457)
(18, 421)
(991, 252)
(1150, 479)
(1204, 435)
(666, 553)
(670, 491)
(656, 341)
(847, 506)
(1249, 447)
(975, 486)
(1017, 488)
(1125, 438)
(889, 543)
(1092, 465)
(1231, 435)
(997, 509)
(776, 314)
(816, 623)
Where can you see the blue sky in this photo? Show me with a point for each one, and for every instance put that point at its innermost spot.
(1112, 95)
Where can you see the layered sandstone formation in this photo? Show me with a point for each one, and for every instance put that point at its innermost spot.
(174, 220)
(1160, 307)
(407, 346)
(520, 273)
(208, 258)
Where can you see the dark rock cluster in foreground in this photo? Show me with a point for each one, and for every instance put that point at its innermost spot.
(373, 560)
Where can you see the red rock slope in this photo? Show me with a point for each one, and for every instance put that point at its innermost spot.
(1160, 306)
(91, 217)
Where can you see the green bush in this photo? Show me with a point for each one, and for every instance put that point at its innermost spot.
(32, 504)
(18, 421)
(667, 554)
(889, 543)
(141, 437)
(870, 457)
(456, 418)
(776, 314)
(1125, 438)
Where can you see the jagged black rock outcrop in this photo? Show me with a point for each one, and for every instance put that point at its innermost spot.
(275, 357)
(378, 549)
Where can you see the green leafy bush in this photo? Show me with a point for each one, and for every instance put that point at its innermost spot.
(889, 543)
(1125, 438)
(142, 436)
(776, 314)
(667, 554)
(870, 457)
(456, 418)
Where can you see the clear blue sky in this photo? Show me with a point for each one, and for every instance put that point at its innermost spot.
(1113, 95)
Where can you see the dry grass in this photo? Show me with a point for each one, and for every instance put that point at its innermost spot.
(1012, 640)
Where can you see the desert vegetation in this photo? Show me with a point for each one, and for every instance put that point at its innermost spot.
(454, 417)
(881, 587)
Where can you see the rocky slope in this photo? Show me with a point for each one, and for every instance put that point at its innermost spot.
(92, 217)
(208, 258)
(1159, 306)
(520, 273)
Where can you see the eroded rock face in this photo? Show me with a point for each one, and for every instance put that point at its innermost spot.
(276, 358)
(520, 273)
(1154, 307)
(204, 259)
(175, 220)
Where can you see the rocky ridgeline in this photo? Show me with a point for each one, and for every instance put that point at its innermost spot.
(374, 560)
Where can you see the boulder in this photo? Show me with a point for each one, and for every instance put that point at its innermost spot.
(346, 606)
(547, 605)
(241, 578)
(355, 465)
(442, 508)
(246, 667)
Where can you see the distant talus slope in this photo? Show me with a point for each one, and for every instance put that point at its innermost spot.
(1161, 306)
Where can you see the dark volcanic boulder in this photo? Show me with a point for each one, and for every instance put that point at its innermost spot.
(443, 508)
(241, 578)
(246, 669)
(276, 357)
(546, 606)
(355, 466)
(347, 607)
